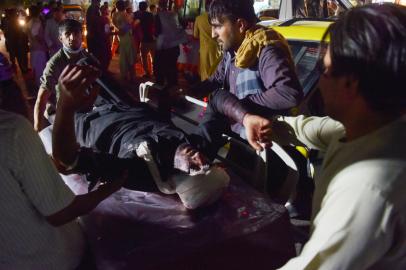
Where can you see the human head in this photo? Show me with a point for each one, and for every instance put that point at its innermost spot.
(70, 34)
(187, 159)
(207, 5)
(197, 182)
(152, 9)
(230, 19)
(35, 11)
(104, 10)
(163, 4)
(368, 46)
(142, 6)
(57, 14)
(96, 3)
(120, 5)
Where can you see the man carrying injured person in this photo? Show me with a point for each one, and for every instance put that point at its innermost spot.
(112, 137)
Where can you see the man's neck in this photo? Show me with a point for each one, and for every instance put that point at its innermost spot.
(367, 122)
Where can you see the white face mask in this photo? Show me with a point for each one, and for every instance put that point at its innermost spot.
(71, 51)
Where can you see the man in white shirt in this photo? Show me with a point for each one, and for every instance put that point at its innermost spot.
(359, 205)
(38, 228)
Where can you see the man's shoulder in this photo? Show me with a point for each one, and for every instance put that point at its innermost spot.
(12, 122)
(58, 56)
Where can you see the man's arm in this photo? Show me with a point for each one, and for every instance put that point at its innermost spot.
(257, 128)
(39, 108)
(356, 224)
(49, 80)
(42, 184)
(283, 89)
(313, 132)
(215, 81)
(74, 83)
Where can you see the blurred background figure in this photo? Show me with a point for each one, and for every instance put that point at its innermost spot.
(209, 50)
(137, 32)
(16, 39)
(147, 25)
(123, 22)
(153, 9)
(51, 30)
(38, 46)
(11, 97)
(98, 35)
(116, 41)
(107, 35)
(170, 35)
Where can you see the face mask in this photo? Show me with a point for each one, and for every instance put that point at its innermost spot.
(71, 51)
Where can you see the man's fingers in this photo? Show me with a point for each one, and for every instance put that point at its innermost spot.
(255, 144)
(66, 70)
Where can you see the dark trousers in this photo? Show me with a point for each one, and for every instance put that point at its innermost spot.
(165, 69)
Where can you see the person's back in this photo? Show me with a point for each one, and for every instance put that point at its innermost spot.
(52, 32)
(209, 49)
(29, 194)
(147, 26)
(38, 46)
(172, 33)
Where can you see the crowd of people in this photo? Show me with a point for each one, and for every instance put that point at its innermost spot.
(358, 212)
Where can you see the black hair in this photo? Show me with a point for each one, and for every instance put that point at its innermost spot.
(232, 10)
(70, 26)
(143, 6)
(207, 5)
(369, 44)
(35, 11)
(120, 5)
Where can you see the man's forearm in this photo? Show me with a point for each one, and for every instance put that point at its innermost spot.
(225, 103)
(83, 204)
(64, 145)
(39, 109)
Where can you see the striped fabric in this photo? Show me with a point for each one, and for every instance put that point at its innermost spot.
(248, 82)
(30, 190)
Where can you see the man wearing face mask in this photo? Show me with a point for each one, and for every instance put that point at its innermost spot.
(70, 35)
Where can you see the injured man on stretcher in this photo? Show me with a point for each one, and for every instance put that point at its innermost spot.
(104, 139)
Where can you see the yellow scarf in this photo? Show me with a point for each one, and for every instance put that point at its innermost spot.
(255, 39)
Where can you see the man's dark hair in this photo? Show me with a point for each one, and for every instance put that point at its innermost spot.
(369, 44)
(70, 26)
(35, 11)
(207, 5)
(120, 5)
(232, 10)
(143, 6)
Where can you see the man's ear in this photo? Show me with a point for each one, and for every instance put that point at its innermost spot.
(351, 87)
(60, 38)
(242, 25)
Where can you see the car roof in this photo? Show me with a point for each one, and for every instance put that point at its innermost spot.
(303, 30)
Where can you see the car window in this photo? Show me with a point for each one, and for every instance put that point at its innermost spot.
(306, 55)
